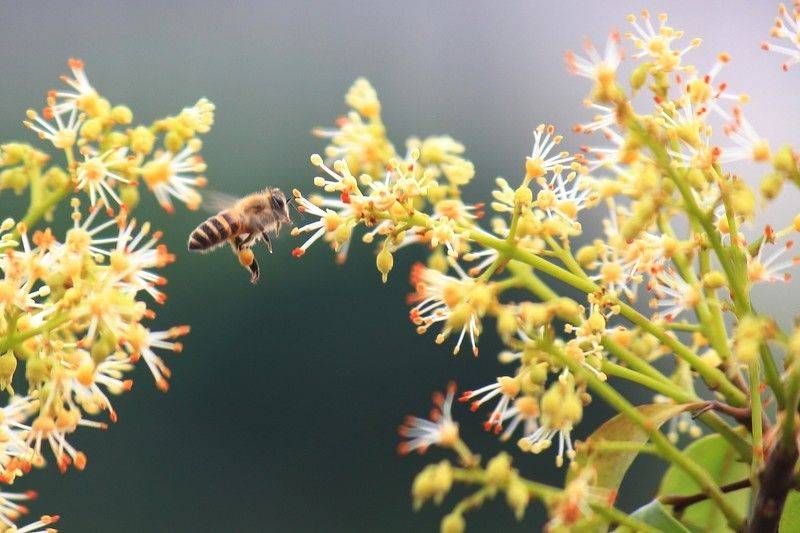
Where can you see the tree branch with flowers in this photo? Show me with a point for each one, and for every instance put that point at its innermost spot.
(75, 312)
(679, 234)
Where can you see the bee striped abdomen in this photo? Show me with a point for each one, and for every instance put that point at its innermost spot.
(214, 231)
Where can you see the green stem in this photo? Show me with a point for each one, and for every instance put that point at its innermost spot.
(12, 340)
(713, 377)
(665, 447)
(755, 409)
(532, 282)
(615, 516)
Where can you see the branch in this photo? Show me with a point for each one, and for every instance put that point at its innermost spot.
(680, 503)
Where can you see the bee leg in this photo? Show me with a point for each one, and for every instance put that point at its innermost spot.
(255, 272)
(267, 241)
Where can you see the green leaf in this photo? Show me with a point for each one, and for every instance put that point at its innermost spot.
(790, 519)
(611, 466)
(716, 456)
(655, 515)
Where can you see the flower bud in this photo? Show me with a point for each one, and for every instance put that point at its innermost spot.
(714, 280)
(121, 114)
(14, 153)
(539, 373)
(173, 141)
(37, 371)
(438, 261)
(453, 523)
(114, 139)
(639, 76)
(129, 194)
(785, 160)
(565, 308)
(517, 497)
(743, 201)
(523, 197)
(423, 487)
(92, 129)
(459, 173)
(14, 178)
(506, 322)
(771, 185)
(498, 470)
(142, 140)
(8, 364)
(384, 262)
(586, 255)
(103, 347)
(711, 358)
(596, 322)
(442, 480)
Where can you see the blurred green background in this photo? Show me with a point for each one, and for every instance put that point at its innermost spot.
(285, 402)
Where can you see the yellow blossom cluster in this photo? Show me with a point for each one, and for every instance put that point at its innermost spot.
(676, 227)
(76, 309)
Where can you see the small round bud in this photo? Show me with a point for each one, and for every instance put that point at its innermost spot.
(56, 178)
(523, 196)
(517, 497)
(129, 194)
(92, 129)
(121, 114)
(142, 140)
(438, 261)
(714, 280)
(596, 322)
(173, 142)
(8, 365)
(771, 185)
(384, 262)
(785, 160)
(453, 523)
(586, 255)
(639, 76)
(498, 470)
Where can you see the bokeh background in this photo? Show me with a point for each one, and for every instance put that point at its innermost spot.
(284, 405)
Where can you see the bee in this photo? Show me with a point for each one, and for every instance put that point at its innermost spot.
(242, 223)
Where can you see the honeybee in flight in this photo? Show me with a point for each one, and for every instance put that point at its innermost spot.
(242, 223)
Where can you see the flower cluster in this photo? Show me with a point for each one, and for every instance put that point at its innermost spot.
(76, 310)
(675, 226)
(116, 153)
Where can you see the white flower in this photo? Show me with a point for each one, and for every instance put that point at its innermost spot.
(598, 68)
(82, 93)
(439, 430)
(540, 160)
(656, 43)
(769, 269)
(459, 303)
(525, 411)
(95, 173)
(132, 256)
(506, 387)
(62, 133)
(749, 145)
(174, 175)
(673, 295)
(787, 26)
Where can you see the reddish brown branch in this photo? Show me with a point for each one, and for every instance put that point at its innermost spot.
(680, 503)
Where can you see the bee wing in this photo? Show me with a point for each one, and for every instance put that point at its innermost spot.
(215, 201)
